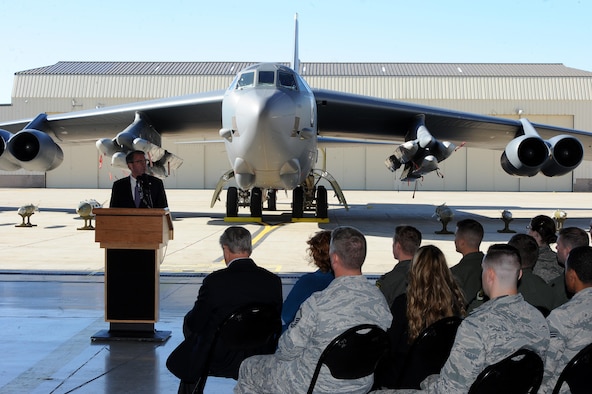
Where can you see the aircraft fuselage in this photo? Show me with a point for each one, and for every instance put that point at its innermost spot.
(270, 128)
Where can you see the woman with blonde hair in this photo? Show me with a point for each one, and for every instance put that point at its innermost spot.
(432, 294)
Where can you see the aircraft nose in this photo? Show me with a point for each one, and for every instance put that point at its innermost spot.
(265, 140)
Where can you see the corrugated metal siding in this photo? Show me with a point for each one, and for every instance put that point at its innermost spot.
(441, 69)
(314, 69)
(114, 86)
(140, 86)
(486, 88)
(139, 68)
(389, 80)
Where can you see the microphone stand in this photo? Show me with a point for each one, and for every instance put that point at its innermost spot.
(145, 197)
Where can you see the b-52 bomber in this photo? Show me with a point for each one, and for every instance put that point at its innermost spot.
(273, 125)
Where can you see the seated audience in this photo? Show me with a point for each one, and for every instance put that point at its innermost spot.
(494, 330)
(467, 240)
(569, 238)
(432, 294)
(318, 253)
(406, 240)
(532, 287)
(348, 301)
(570, 324)
(242, 282)
(542, 229)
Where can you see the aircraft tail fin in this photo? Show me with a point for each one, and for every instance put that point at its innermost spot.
(296, 61)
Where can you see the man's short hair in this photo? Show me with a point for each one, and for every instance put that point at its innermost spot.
(237, 239)
(573, 237)
(350, 245)
(408, 237)
(129, 158)
(471, 231)
(580, 260)
(504, 259)
(527, 247)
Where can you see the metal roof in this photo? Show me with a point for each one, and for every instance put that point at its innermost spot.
(316, 69)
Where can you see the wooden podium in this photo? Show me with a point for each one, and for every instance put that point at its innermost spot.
(133, 239)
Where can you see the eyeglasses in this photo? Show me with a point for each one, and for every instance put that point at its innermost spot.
(140, 161)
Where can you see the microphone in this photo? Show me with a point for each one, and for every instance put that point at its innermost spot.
(145, 184)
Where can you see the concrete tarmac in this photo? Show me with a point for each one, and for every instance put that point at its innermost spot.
(51, 275)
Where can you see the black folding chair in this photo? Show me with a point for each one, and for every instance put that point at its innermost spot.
(577, 373)
(519, 373)
(250, 327)
(353, 354)
(428, 353)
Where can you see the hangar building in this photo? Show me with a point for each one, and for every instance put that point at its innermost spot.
(543, 93)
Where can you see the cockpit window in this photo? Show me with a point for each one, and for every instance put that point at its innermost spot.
(287, 80)
(266, 77)
(246, 79)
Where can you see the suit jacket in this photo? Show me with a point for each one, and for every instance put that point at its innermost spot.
(122, 197)
(220, 294)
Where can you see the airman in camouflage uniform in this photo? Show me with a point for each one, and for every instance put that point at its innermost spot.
(547, 266)
(570, 324)
(542, 229)
(349, 300)
(493, 331)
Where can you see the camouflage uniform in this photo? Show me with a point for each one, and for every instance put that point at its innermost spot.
(394, 283)
(346, 302)
(492, 332)
(547, 266)
(571, 330)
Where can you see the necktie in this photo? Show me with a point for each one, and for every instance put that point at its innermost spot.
(137, 195)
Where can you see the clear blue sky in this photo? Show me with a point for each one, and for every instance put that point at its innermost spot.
(38, 33)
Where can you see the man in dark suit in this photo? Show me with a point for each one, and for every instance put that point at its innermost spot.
(242, 282)
(138, 190)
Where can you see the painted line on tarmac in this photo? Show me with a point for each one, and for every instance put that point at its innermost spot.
(263, 232)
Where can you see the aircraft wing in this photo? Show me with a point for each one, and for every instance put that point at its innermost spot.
(193, 114)
(353, 116)
(34, 146)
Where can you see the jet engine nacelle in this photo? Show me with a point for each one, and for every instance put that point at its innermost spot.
(525, 156)
(35, 151)
(7, 161)
(529, 155)
(567, 153)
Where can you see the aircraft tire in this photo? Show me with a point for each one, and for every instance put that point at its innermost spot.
(272, 200)
(232, 202)
(256, 203)
(322, 205)
(298, 202)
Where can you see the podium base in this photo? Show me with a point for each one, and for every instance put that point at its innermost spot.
(131, 332)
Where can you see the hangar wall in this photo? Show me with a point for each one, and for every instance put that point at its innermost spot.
(553, 100)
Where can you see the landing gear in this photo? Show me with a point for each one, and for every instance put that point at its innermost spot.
(310, 199)
(272, 199)
(298, 202)
(309, 196)
(256, 203)
(232, 202)
(236, 198)
(322, 210)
